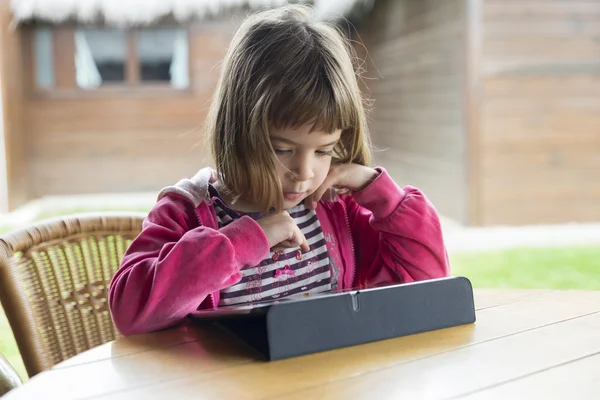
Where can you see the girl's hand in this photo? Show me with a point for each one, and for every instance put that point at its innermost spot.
(344, 178)
(282, 232)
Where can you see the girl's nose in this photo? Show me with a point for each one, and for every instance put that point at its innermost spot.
(302, 172)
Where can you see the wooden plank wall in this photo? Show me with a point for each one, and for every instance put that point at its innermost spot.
(540, 116)
(416, 78)
(15, 138)
(124, 141)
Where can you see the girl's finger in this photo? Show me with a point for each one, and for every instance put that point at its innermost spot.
(300, 240)
(304, 246)
(308, 202)
(329, 181)
(311, 202)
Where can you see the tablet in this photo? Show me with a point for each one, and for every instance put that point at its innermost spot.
(300, 325)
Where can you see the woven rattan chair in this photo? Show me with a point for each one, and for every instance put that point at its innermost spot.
(54, 280)
(9, 379)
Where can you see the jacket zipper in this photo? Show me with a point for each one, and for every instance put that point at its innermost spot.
(351, 243)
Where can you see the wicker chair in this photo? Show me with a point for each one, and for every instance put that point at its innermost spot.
(54, 283)
(9, 379)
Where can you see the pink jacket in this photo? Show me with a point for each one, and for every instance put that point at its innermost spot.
(181, 260)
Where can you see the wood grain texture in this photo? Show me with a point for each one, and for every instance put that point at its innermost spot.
(490, 106)
(415, 75)
(540, 115)
(517, 343)
(121, 138)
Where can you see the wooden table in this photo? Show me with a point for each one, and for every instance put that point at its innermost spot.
(525, 344)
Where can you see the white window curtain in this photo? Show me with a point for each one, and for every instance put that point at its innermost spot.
(179, 64)
(87, 75)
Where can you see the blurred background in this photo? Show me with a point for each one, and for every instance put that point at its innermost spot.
(491, 107)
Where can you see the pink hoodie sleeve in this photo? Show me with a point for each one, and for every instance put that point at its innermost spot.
(174, 265)
(397, 234)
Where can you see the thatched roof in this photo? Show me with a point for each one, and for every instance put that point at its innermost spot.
(140, 12)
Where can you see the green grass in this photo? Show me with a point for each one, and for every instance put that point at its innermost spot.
(8, 347)
(532, 268)
(527, 268)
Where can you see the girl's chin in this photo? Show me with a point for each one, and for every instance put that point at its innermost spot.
(290, 204)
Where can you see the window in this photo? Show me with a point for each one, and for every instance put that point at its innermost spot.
(163, 56)
(92, 58)
(100, 57)
(44, 67)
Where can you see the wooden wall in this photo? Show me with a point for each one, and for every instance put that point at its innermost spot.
(492, 107)
(126, 140)
(416, 78)
(540, 111)
(15, 137)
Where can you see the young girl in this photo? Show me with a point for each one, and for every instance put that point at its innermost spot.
(293, 206)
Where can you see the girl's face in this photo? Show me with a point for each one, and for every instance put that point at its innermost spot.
(304, 158)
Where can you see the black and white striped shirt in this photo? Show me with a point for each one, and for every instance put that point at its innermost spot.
(284, 273)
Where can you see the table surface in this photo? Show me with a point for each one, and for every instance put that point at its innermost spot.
(525, 344)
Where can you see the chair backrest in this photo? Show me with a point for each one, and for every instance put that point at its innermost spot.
(9, 379)
(54, 279)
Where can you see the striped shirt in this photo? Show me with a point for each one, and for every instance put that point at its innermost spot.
(284, 273)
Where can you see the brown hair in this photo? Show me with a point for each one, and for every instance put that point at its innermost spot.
(283, 69)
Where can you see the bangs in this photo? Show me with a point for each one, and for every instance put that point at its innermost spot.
(283, 70)
(318, 100)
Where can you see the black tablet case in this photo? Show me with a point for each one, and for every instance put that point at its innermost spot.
(294, 328)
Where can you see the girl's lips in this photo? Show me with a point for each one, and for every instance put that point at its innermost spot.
(293, 196)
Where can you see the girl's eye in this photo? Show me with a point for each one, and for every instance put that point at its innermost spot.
(325, 153)
(281, 151)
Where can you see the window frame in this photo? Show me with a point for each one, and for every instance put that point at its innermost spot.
(63, 58)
